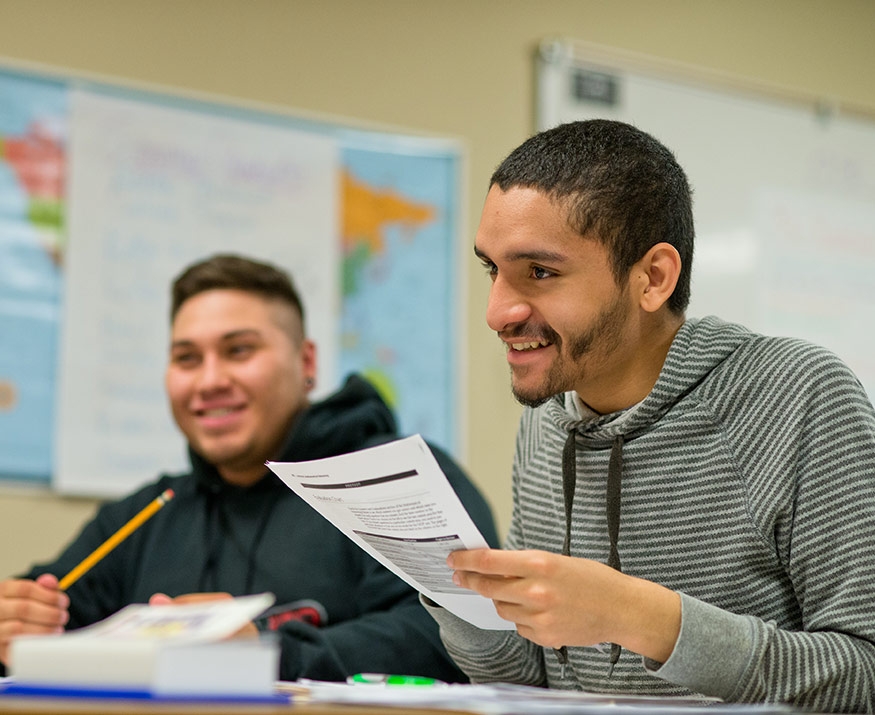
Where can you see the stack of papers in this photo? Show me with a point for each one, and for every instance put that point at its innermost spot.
(509, 699)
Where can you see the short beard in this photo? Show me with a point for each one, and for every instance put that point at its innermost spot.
(605, 335)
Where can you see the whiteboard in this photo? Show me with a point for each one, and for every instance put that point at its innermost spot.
(783, 191)
(151, 189)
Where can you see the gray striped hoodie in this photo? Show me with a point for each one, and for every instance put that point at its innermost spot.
(748, 485)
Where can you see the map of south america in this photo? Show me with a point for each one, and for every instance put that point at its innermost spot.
(399, 252)
(368, 212)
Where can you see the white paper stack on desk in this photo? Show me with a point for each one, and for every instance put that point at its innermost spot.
(156, 650)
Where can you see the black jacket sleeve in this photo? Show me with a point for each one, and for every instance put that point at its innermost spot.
(393, 634)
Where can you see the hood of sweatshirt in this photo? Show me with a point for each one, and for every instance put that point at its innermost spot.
(698, 349)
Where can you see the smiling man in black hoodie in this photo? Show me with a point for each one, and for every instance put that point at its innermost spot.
(238, 378)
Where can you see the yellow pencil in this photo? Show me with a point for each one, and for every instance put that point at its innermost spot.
(123, 533)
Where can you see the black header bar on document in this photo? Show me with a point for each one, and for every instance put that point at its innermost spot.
(363, 482)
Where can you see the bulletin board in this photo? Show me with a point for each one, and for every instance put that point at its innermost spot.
(108, 191)
(783, 189)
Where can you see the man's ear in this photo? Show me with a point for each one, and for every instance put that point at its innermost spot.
(656, 276)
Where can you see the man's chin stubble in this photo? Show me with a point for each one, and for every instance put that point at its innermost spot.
(529, 399)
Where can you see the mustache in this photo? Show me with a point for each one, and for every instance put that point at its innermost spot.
(541, 333)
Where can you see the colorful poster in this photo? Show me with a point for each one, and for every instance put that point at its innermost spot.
(367, 221)
(400, 286)
(33, 159)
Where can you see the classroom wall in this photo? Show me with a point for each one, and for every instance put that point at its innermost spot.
(450, 67)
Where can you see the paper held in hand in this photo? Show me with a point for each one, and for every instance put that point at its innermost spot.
(395, 502)
(157, 650)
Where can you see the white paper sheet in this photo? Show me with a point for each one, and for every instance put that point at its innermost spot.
(394, 501)
(512, 699)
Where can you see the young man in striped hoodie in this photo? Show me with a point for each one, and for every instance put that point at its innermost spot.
(693, 502)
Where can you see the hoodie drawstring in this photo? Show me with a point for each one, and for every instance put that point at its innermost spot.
(213, 530)
(613, 490)
(615, 473)
(256, 542)
(219, 531)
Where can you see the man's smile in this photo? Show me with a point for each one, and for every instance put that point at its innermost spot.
(218, 417)
(217, 411)
(527, 346)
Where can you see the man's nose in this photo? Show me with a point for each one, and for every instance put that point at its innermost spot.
(506, 307)
(213, 374)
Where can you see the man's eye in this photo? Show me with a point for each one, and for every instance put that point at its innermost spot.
(490, 268)
(240, 351)
(184, 359)
(540, 273)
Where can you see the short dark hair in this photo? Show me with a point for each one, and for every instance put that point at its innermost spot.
(622, 187)
(233, 272)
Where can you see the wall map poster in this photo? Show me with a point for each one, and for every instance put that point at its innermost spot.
(387, 306)
(33, 158)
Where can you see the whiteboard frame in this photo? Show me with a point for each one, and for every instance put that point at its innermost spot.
(554, 51)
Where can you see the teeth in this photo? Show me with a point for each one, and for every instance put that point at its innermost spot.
(527, 346)
(219, 412)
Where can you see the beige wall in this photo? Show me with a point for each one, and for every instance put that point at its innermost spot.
(451, 67)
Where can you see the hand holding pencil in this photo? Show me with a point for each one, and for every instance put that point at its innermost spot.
(31, 607)
(40, 606)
